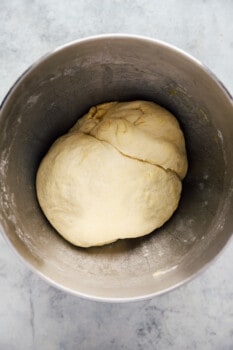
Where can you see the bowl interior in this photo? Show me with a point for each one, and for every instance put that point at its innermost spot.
(47, 101)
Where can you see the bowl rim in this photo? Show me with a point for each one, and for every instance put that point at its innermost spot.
(147, 39)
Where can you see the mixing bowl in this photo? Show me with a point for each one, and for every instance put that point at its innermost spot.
(47, 100)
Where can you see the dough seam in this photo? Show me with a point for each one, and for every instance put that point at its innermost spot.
(167, 170)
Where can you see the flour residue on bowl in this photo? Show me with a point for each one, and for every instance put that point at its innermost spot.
(4, 163)
(33, 99)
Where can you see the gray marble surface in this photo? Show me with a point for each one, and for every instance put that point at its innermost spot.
(34, 315)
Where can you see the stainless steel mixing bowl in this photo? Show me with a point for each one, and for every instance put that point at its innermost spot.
(46, 101)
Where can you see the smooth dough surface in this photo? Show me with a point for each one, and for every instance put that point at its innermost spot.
(116, 174)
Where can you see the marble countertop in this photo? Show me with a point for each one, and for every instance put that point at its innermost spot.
(35, 315)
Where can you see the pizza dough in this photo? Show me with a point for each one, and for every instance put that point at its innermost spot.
(116, 174)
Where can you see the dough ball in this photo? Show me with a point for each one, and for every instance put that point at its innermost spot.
(116, 174)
